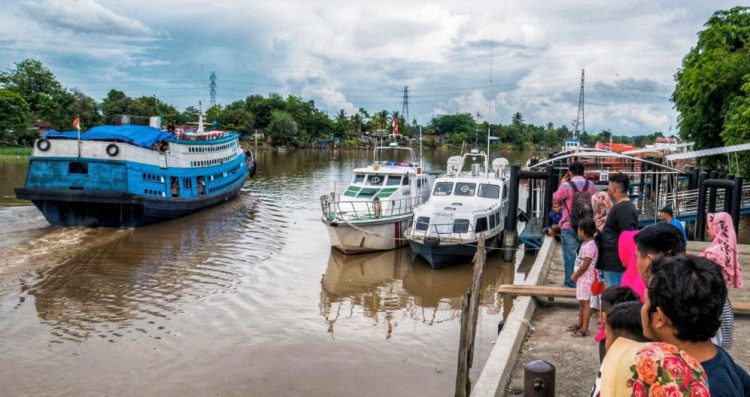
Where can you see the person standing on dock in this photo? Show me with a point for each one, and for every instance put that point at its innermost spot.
(723, 252)
(572, 185)
(622, 217)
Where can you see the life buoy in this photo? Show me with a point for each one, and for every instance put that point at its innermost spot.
(43, 144)
(113, 149)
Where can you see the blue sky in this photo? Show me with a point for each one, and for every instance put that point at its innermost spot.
(351, 54)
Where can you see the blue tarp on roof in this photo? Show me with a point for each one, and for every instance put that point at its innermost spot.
(138, 135)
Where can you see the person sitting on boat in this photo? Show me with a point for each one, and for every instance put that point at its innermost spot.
(201, 185)
(175, 187)
(554, 217)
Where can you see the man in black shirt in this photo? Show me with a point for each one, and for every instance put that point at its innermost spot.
(622, 217)
(682, 306)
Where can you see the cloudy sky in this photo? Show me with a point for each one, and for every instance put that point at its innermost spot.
(351, 54)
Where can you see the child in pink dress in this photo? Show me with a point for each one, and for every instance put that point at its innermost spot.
(583, 275)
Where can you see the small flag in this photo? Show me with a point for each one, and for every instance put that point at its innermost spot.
(77, 123)
(395, 126)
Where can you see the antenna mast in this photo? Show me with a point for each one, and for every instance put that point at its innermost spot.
(489, 113)
(580, 117)
(405, 105)
(212, 89)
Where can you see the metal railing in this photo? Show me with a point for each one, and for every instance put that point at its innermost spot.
(376, 209)
(447, 232)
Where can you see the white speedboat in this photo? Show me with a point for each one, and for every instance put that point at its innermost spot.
(375, 209)
(465, 206)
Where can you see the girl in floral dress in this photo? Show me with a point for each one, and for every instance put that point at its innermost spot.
(583, 275)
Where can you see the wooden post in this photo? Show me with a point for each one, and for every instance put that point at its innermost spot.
(469, 314)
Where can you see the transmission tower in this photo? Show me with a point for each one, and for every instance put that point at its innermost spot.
(212, 89)
(580, 117)
(405, 104)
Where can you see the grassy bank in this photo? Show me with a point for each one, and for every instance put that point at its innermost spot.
(11, 151)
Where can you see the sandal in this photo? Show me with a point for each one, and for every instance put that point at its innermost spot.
(580, 334)
(573, 328)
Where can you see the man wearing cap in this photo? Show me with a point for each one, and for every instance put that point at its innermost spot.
(667, 216)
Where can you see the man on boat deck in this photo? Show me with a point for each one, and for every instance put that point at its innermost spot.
(565, 195)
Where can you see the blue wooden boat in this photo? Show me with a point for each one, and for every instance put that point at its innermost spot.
(124, 176)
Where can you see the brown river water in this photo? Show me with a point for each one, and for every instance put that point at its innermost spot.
(246, 298)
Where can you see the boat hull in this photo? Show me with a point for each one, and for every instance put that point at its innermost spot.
(367, 237)
(440, 255)
(110, 209)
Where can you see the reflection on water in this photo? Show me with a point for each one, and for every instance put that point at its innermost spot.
(378, 285)
(244, 298)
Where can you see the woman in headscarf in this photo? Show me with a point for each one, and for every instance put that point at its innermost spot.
(723, 251)
(627, 249)
(601, 204)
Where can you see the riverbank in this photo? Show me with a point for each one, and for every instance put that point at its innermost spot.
(14, 151)
(540, 335)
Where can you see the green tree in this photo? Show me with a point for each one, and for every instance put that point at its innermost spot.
(709, 84)
(737, 126)
(46, 98)
(239, 120)
(15, 116)
(86, 108)
(282, 128)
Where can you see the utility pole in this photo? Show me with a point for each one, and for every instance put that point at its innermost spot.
(212, 89)
(405, 104)
(580, 117)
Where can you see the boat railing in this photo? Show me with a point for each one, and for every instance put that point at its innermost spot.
(446, 232)
(369, 210)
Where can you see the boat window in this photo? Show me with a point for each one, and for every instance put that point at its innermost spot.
(497, 218)
(375, 180)
(358, 178)
(77, 167)
(461, 226)
(493, 220)
(423, 222)
(465, 189)
(419, 183)
(481, 225)
(405, 181)
(443, 189)
(393, 180)
(487, 190)
(367, 192)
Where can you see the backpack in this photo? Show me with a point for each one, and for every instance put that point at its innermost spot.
(581, 206)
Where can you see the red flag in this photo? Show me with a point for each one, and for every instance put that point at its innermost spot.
(395, 126)
(77, 123)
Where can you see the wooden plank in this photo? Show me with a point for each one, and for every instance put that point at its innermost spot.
(536, 291)
(741, 308)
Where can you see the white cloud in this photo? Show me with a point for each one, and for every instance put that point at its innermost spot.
(86, 16)
(351, 54)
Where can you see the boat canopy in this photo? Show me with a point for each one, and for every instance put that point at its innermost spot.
(138, 135)
(598, 154)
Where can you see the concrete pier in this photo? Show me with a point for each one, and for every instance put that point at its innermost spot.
(536, 331)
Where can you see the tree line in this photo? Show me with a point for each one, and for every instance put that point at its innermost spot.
(29, 92)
